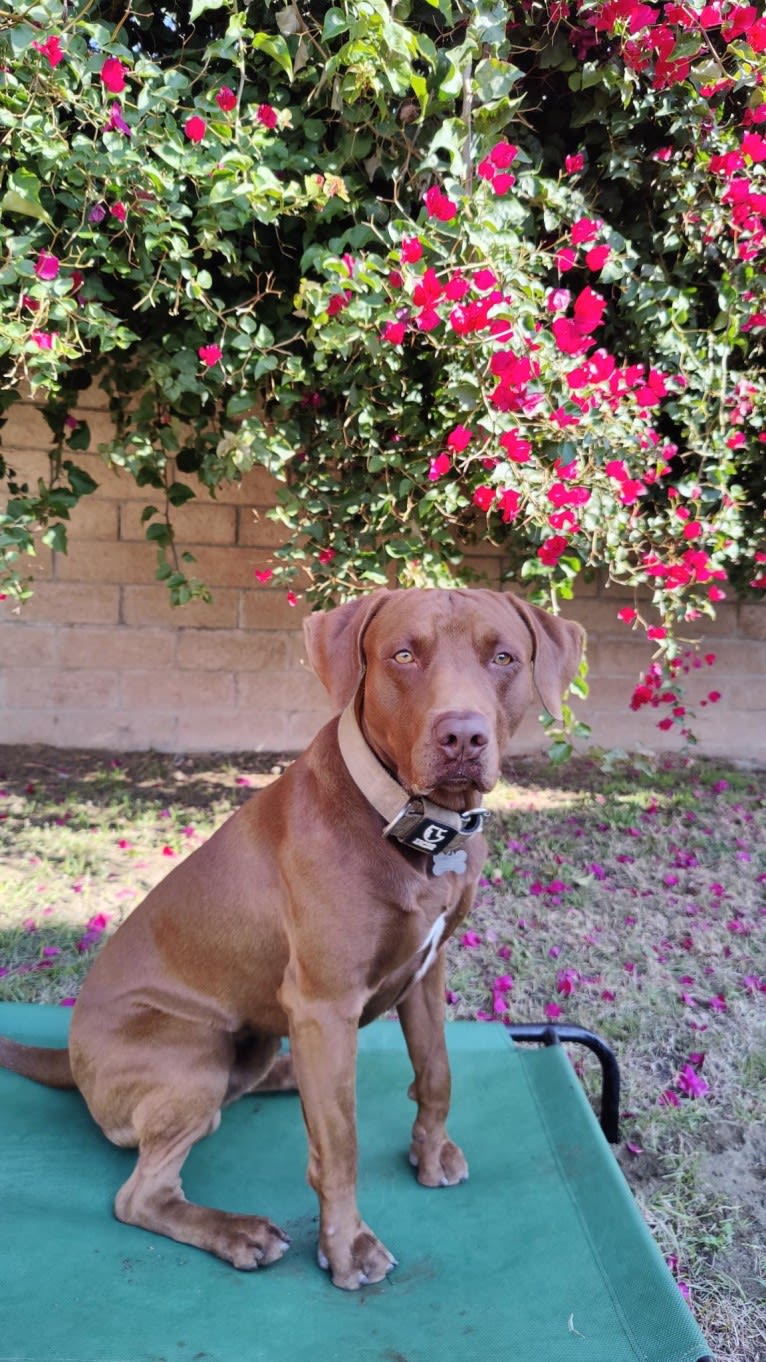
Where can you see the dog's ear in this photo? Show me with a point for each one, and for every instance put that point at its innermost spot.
(558, 649)
(333, 640)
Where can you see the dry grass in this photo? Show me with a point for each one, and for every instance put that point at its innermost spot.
(633, 899)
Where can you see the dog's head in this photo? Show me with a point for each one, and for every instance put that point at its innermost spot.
(442, 678)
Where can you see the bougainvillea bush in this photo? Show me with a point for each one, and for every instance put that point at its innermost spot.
(451, 271)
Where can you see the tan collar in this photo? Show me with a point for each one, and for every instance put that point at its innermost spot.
(412, 820)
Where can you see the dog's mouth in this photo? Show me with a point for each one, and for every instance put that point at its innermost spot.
(457, 780)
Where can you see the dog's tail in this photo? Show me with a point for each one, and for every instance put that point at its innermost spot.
(50, 1067)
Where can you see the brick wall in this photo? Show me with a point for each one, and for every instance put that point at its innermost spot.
(98, 657)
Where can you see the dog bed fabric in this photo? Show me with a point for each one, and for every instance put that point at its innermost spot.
(542, 1256)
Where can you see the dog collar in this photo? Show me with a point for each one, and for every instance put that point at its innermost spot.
(417, 823)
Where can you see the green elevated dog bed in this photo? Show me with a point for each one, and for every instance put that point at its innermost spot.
(540, 1257)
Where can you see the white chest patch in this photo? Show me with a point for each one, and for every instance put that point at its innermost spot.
(431, 946)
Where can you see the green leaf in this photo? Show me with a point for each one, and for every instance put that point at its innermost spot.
(559, 751)
(274, 45)
(81, 483)
(199, 7)
(335, 22)
(178, 493)
(23, 196)
(56, 538)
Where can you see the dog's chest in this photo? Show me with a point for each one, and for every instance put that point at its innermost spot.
(420, 932)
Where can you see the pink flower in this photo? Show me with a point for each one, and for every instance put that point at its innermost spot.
(558, 299)
(44, 339)
(338, 301)
(567, 981)
(483, 497)
(574, 164)
(118, 211)
(459, 438)
(569, 337)
(117, 122)
(263, 575)
(195, 128)
(588, 310)
(439, 466)
(516, 447)
(627, 614)
(438, 205)
(113, 75)
(292, 599)
(552, 1011)
(47, 266)
(691, 1083)
(226, 99)
(503, 154)
(484, 279)
(394, 332)
(411, 250)
(51, 49)
(509, 503)
(597, 257)
(551, 550)
(470, 939)
(583, 230)
(210, 354)
(267, 115)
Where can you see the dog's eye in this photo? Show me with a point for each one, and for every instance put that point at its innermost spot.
(404, 657)
(503, 659)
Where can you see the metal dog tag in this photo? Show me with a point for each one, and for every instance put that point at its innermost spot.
(444, 861)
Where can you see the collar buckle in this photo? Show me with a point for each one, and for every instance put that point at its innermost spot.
(428, 827)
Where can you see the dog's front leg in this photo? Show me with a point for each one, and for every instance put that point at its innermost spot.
(439, 1161)
(323, 1040)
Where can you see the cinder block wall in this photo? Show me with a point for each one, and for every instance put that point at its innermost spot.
(99, 658)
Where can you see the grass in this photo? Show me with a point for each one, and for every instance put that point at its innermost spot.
(628, 898)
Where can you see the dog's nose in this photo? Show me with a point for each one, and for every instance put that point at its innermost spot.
(461, 734)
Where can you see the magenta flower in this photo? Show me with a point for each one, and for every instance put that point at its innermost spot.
(393, 332)
(113, 75)
(51, 49)
(411, 250)
(117, 123)
(470, 939)
(44, 340)
(438, 205)
(47, 266)
(210, 354)
(567, 981)
(692, 1083)
(267, 115)
(226, 99)
(552, 1011)
(195, 128)
(438, 467)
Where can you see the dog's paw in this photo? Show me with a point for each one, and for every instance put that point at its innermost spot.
(363, 1261)
(249, 1242)
(440, 1163)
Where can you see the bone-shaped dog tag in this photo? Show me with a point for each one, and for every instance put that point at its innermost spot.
(450, 860)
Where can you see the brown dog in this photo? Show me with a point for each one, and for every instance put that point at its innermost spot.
(321, 903)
